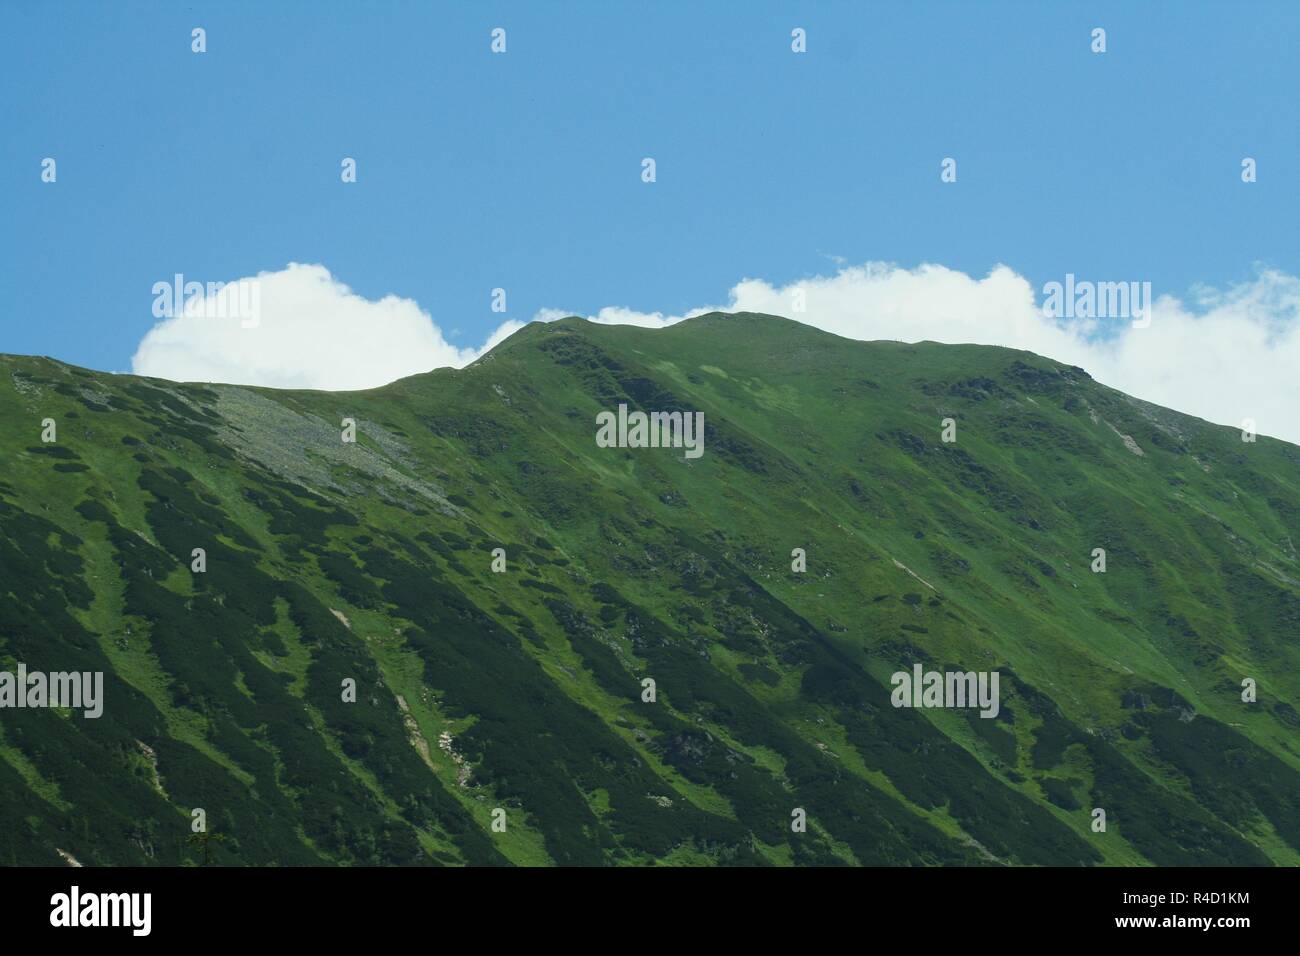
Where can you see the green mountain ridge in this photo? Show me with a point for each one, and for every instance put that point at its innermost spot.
(522, 691)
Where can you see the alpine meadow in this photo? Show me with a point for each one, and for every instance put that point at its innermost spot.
(438, 622)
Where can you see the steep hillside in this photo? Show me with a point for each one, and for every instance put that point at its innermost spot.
(522, 690)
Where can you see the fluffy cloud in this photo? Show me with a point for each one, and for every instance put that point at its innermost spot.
(1225, 355)
(297, 328)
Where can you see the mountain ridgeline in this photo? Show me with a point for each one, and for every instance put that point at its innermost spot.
(476, 636)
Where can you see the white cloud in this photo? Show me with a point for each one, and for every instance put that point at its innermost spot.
(1225, 356)
(311, 331)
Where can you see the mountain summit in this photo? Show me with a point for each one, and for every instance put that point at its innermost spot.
(439, 622)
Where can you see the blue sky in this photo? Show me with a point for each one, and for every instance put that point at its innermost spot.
(522, 170)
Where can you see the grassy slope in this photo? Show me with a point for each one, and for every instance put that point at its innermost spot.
(1120, 690)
